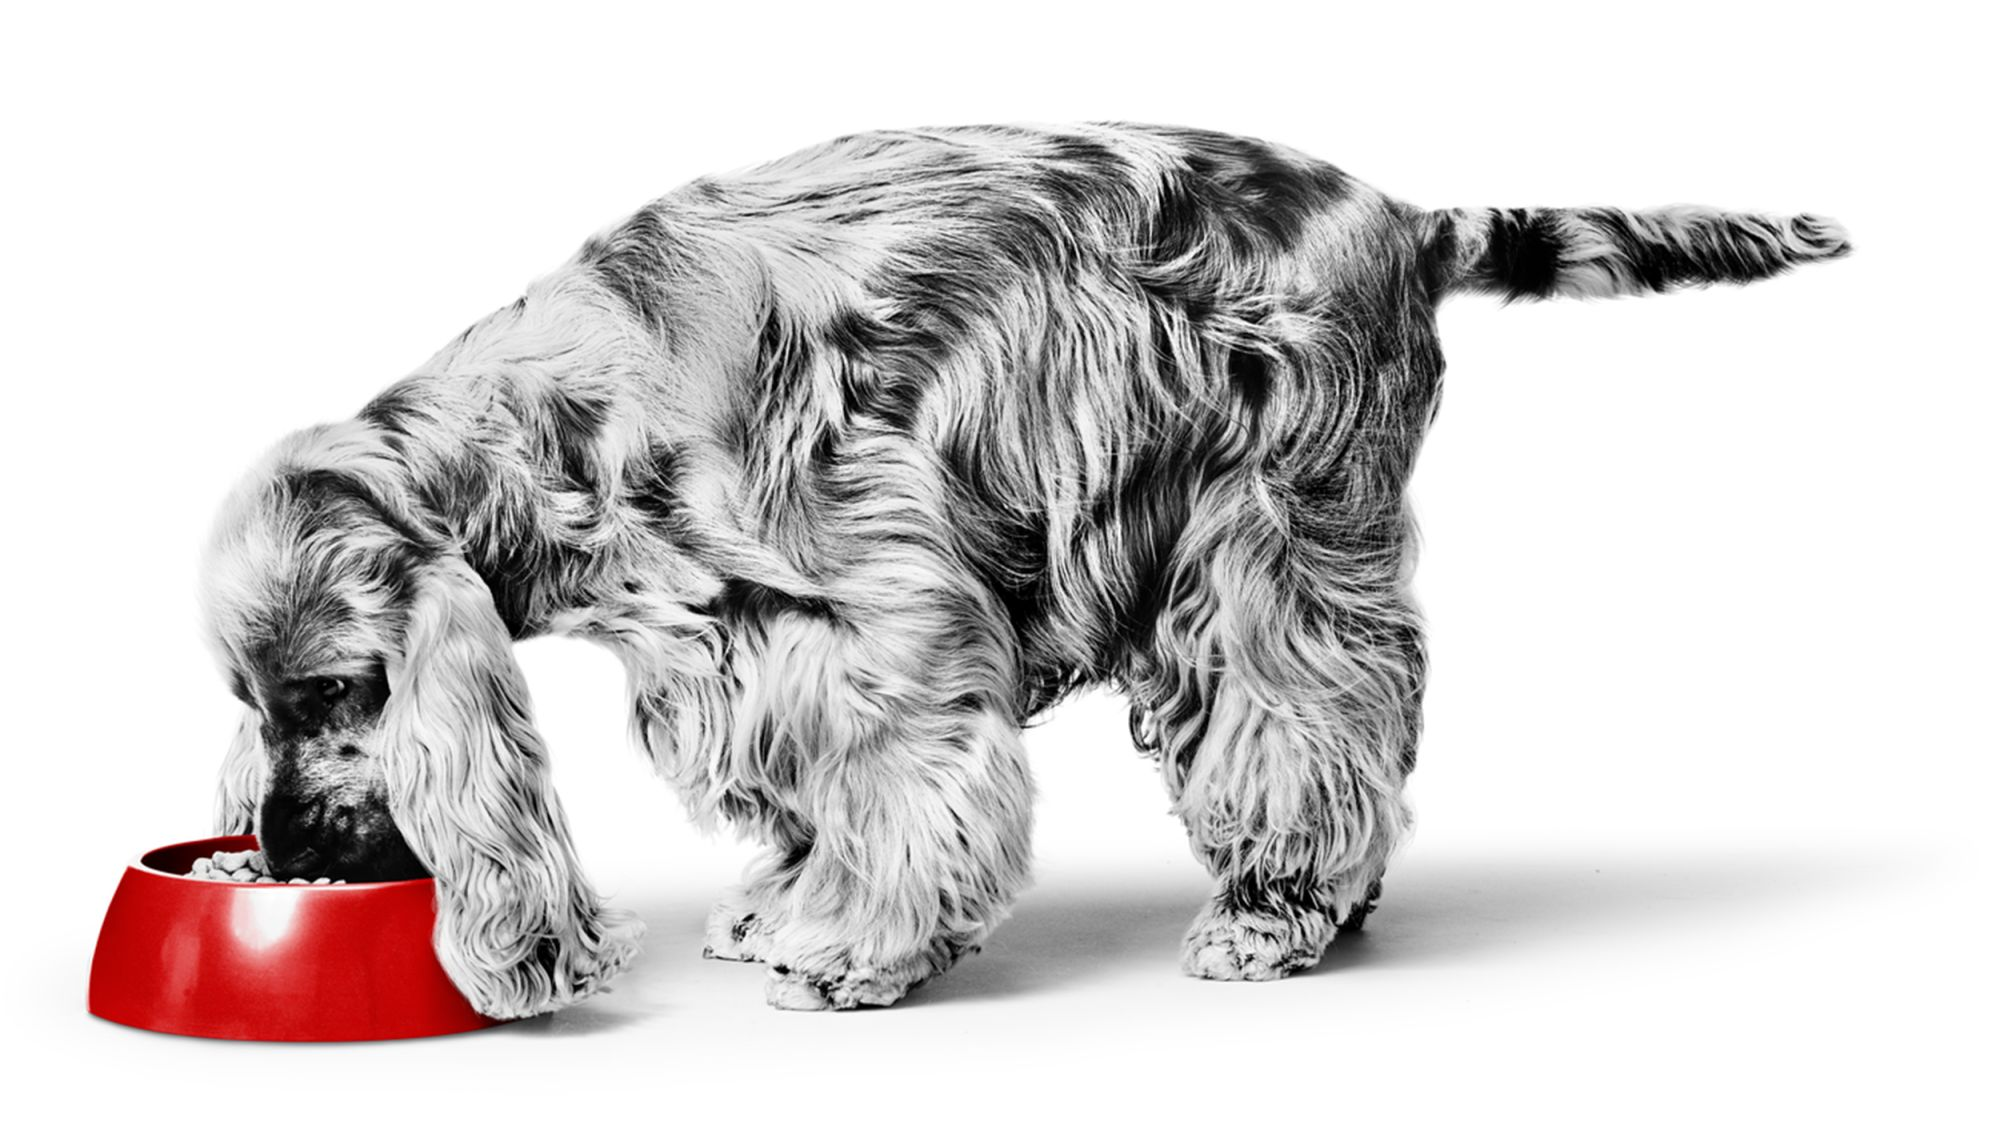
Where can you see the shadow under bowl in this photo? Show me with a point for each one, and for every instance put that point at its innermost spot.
(241, 961)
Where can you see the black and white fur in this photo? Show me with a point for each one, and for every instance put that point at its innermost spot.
(860, 459)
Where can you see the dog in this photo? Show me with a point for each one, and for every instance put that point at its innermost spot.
(858, 460)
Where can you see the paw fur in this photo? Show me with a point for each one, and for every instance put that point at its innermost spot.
(793, 990)
(734, 935)
(1226, 945)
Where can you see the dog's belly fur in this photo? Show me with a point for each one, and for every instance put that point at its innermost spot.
(862, 458)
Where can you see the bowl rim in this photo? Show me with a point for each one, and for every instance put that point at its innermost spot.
(138, 864)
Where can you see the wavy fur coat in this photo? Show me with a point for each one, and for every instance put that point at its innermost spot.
(858, 460)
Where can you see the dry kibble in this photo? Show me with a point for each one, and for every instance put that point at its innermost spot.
(247, 867)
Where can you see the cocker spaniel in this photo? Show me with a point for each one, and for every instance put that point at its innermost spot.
(858, 460)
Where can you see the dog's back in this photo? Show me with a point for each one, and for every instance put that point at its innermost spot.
(1081, 325)
(1109, 334)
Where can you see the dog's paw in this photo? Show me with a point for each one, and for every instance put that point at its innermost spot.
(816, 977)
(554, 975)
(798, 991)
(1237, 945)
(734, 934)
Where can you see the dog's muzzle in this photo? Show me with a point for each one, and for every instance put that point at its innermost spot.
(309, 837)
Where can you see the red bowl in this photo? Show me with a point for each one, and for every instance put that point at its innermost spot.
(271, 961)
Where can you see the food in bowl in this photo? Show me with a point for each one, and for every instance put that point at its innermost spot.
(247, 867)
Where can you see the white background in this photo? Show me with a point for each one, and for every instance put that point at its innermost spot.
(1704, 802)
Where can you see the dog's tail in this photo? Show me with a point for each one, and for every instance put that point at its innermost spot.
(1524, 253)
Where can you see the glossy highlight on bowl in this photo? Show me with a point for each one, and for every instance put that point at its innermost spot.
(243, 961)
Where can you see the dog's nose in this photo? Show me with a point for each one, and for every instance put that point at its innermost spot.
(294, 816)
(290, 830)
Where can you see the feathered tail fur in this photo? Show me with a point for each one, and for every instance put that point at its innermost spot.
(1604, 252)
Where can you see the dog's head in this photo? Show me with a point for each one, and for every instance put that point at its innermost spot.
(387, 730)
(309, 585)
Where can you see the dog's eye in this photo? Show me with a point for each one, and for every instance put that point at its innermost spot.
(332, 688)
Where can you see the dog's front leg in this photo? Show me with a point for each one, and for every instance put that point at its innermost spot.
(520, 929)
(919, 846)
(739, 926)
(879, 757)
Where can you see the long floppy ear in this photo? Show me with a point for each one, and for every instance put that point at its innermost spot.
(239, 792)
(519, 928)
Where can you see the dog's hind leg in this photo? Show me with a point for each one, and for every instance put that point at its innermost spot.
(1283, 694)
